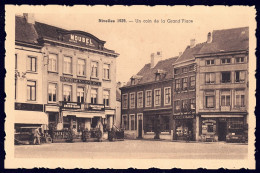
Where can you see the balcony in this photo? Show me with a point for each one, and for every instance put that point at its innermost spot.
(225, 108)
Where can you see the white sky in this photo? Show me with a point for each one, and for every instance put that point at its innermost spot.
(136, 41)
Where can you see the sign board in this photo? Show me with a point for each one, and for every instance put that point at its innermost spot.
(81, 81)
(184, 116)
(70, 105)
(49, 108)
(96, 107)
(29, 107)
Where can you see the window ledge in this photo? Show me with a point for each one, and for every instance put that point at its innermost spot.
(79, 76)
(95, 78)
(32, 72)
(54, 72)
(67, 74)
(107, 80)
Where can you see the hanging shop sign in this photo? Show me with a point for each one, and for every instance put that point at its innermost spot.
(29, 107)
(81, 81)
(96, 107)
(70, 105)
(184, 116)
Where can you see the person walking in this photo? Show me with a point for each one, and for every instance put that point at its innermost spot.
(37, 137)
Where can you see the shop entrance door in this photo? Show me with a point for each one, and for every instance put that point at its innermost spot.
(140, 126)
(222, 131)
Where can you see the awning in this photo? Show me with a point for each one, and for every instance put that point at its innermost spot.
(221, 116)
(84, 114)
(30, 117)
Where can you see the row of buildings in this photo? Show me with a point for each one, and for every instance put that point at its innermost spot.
(202, 92)
(64, 79)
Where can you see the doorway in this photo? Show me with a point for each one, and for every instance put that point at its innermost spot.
(222, 131)
(140, 126)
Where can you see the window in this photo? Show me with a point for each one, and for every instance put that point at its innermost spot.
(225, 98)
(240, 59)
(210, 128)
(52, 62)
(93, 96)
(125, 122)
(210, 62)
(132, 81)
(106, 95)
(191, 68)
(148, 98)
(225, 77)
(67, 93)
(80, 94)
(140, 99)
(184, 70)
(157, 97)
(240, 98)
(94, 69)
(185, 83)
(31, 63)
(67, 65)
(81, 70)
(177, 84)
(210, 78)
(176, 71)
(185, 105)
(192, 82)
(240, 76)
(132, 100)
(210, 99)
(193, 104)
(132, 122)
(125, 101)
(31, 90)
(106, 71)
(225, 61)
(167, 96)
(52, 92)
(177, 106)
(157, 76)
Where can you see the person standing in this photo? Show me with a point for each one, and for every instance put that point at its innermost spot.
(37, 137)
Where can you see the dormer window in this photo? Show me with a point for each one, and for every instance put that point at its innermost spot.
(132, 81)
(160, 74)
(135, 79)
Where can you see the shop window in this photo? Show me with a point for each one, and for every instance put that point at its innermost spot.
(80, 94)
(225, 61)
(132, 100)
(125, 122)
(177, 84)
(93, 96)
(81, 70)
(67, 65)
(106, 95)
(240, 76)
(67, 93)
(210, 62)
(167, 96)
(52, 92)
(165, 124)
(31, 64)
(192, 82)
(225, 98)
(132, 122)
(240, 59)
(52, 62)
(209, 126)
(106, 71)
(140, 99)
(185, 83)
(210, 99)
(125, 101)
(239, 98)
(225, 77)
(94, 69)
(148, 100)
(149, 123)
(157, 97)
(210, 78)
(31, 90)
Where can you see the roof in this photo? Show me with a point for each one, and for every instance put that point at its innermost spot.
(148, 73)
(227, 40)
(24, 31)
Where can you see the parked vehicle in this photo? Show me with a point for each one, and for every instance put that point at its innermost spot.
(237, 137)
(115, 134)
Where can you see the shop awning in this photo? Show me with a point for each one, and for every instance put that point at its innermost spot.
(31, 117)
(84, 114)
(221, 116)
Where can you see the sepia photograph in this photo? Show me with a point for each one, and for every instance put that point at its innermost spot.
(121, 87)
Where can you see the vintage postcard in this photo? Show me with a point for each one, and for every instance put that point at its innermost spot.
(121, 87)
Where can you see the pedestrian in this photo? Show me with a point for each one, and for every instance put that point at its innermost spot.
(188, 136)
(37, 137)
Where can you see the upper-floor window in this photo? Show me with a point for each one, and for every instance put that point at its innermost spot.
(210, 62)
(106, 96)
(132, 100)
(185, 83)
(177, 106)
(148, 99)
(210, 99)
(225, 98)
(225, 61)
(157, 97)
(67, 93)
(176, 71)
(167, 96)
(67, 65)
(240, 76)
(52, 92)
(192, 103)
(140, 99)
(94, 95)
(31, 90)
(125, 101)
(240, 59)
(132, 81)
(81, 70)
(31, 63)
(191, 68)
(225, 77)
(94, 69)
(240, 98)
(192, 82)
(210, 78)
(125, 122)
(80, 94)
(184, 70)
(52, 62)
(177, 84)
(106, 71)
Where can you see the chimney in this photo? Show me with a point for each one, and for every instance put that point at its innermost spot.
(192, 43)
(209, 38)
(29, 18)
(152, 60)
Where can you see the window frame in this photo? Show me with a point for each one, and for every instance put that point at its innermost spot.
(191, 81)
(29, 58)
(132, 105)
(221, 77)
(125, 102)
(210, 95)
(80, 96)
(142, 100)
(106, 72)
(186, 88)
(125, 127)
(92, 102)
(240, 62)
(240, 81)
(235, 99)
(56, 92)
(35, 88)
(175, 106)
(210, 62)
(150, 100)
(222, 94)
(51, 59)
(225, 59)
(177, 84)
(67, 62)
(210, 81)
(63, 90)
(160, 97)
(84, 67)
(130, 122)
(169, 94)
(106, 101)
(96, 69)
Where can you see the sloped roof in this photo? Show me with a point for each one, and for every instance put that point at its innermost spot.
(227, 40)
(25, 32)
(148, 73)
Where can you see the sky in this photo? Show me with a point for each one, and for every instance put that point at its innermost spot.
(136, 41)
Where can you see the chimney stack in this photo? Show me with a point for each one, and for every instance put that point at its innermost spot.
(152, 60)
(209, 38)
(29, 18)
(192, 43)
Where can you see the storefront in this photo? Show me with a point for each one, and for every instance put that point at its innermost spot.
(184, 125)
